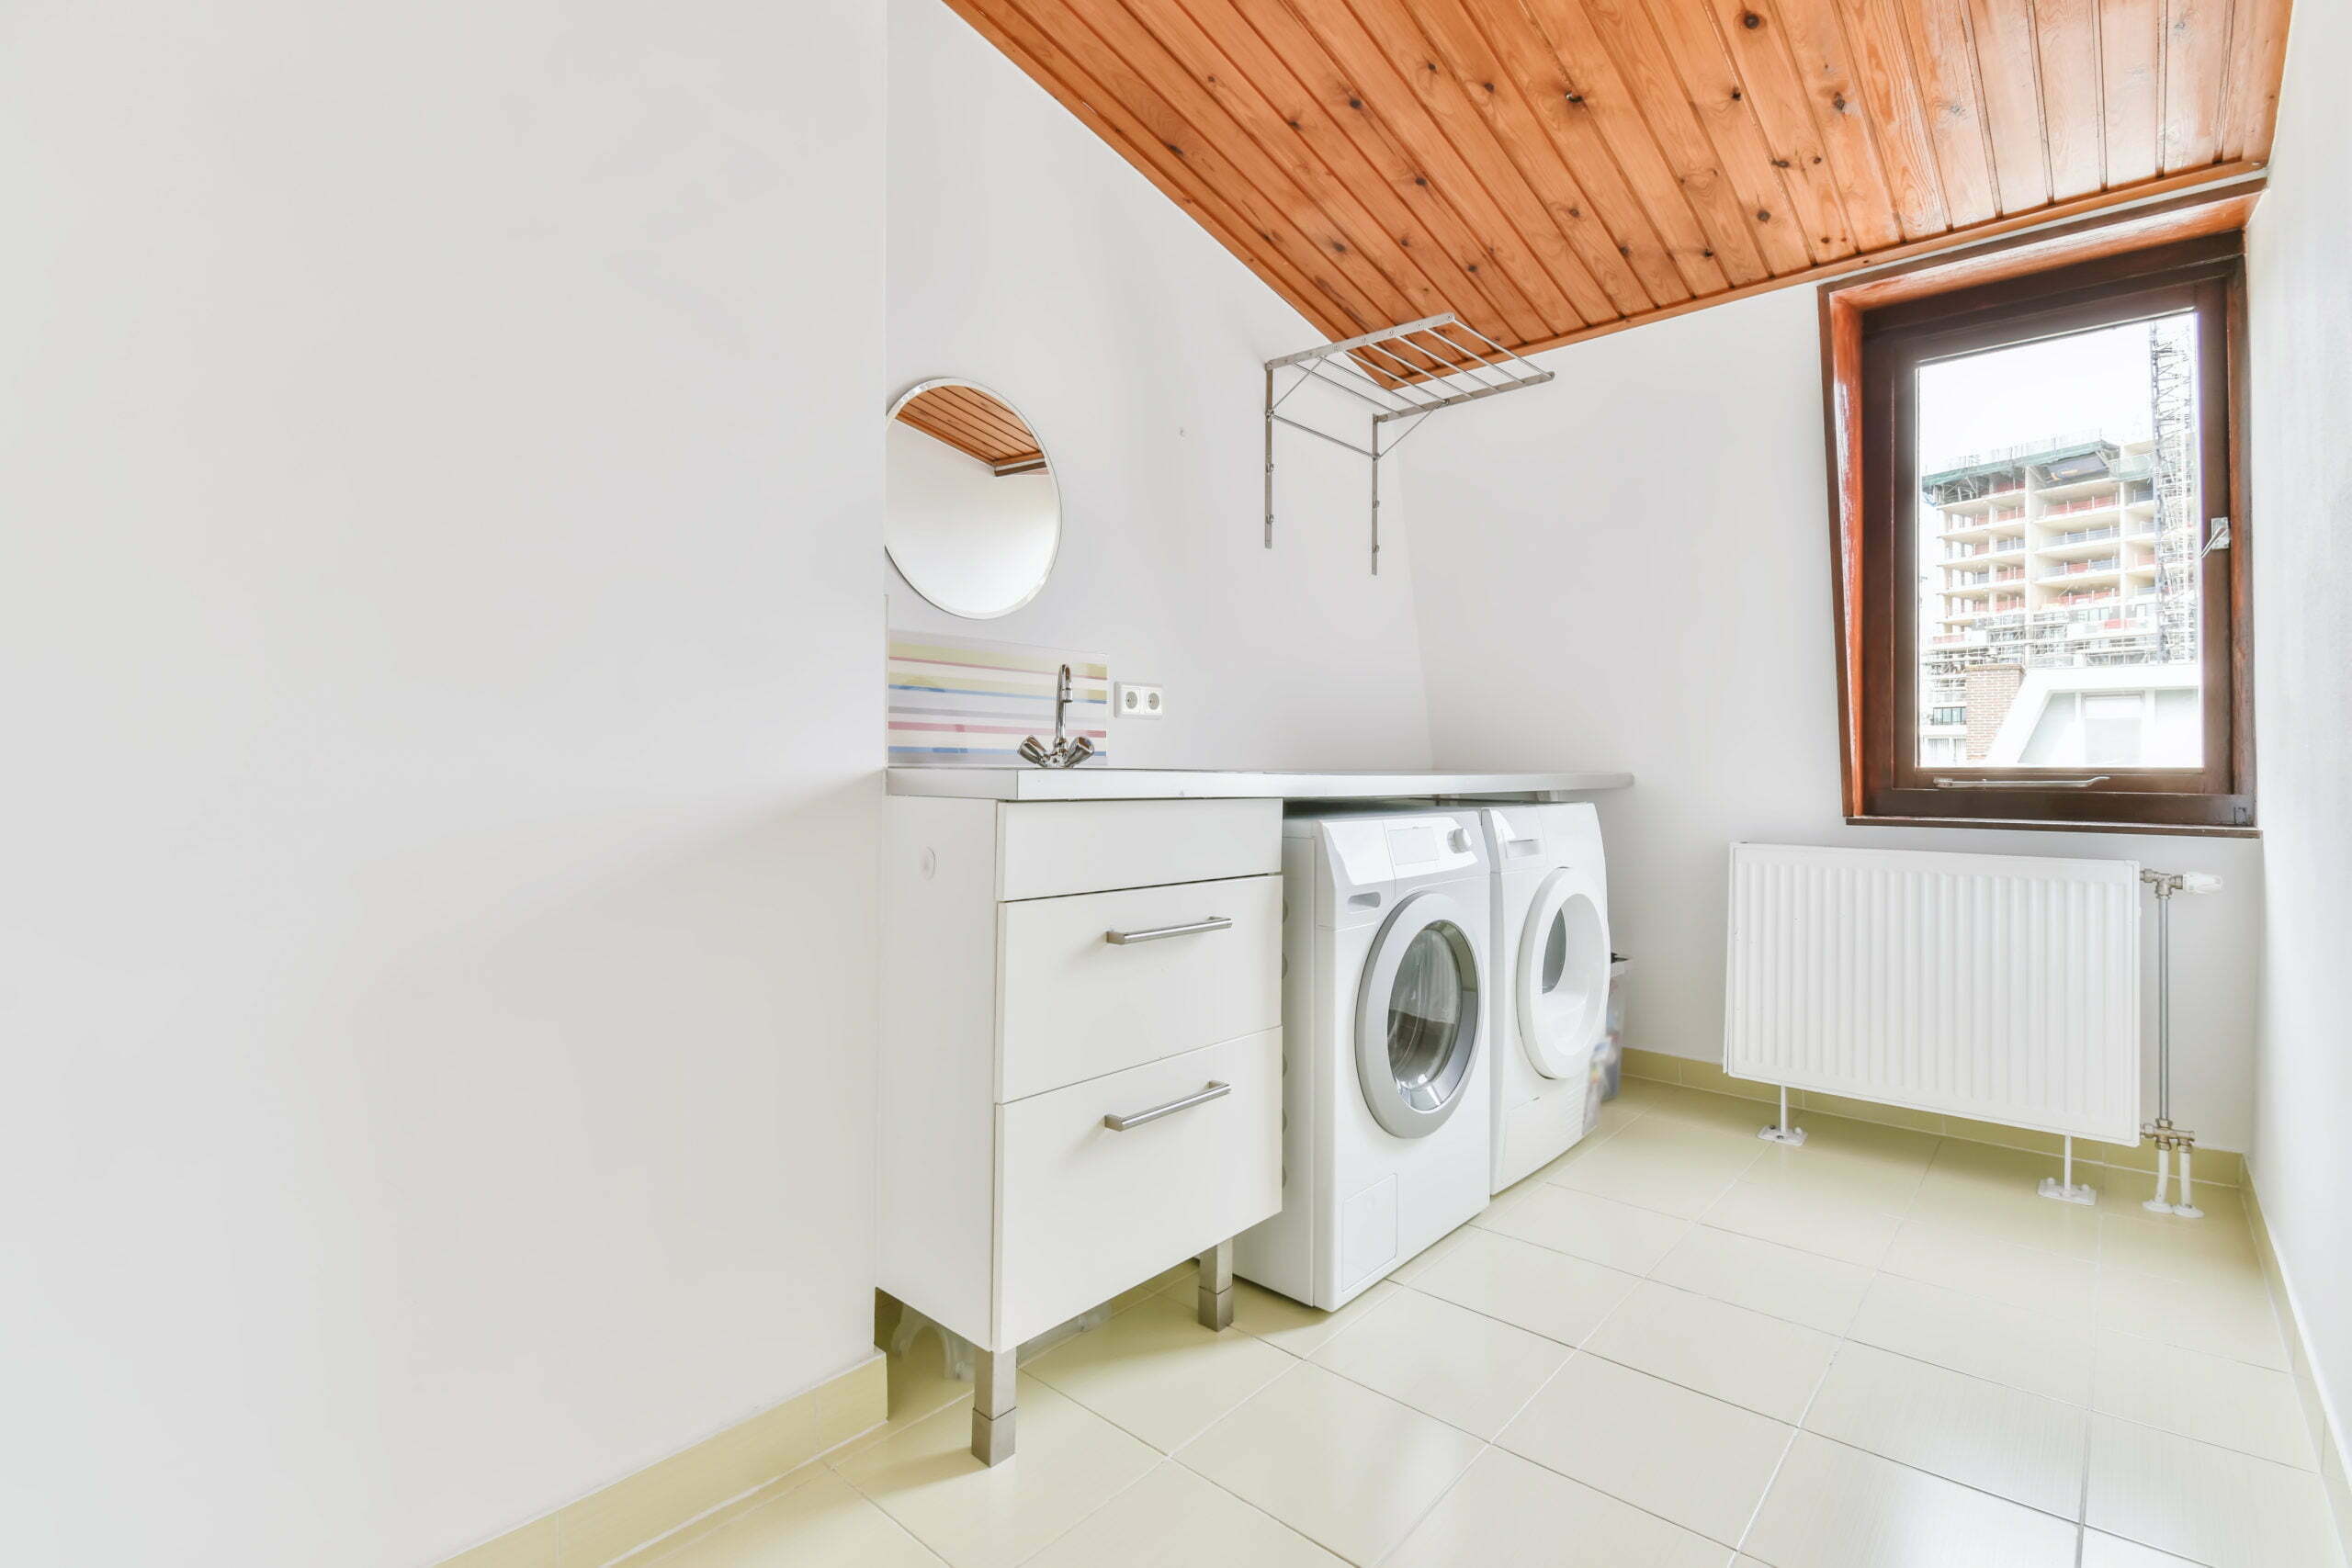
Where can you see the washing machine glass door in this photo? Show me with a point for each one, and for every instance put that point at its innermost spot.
(1562, 973)
(1417, 1016)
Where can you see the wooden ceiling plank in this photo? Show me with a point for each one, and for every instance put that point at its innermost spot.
(2056, 212)
(1510, 38)
(1818, 53)
(1896, 113)
(2197, 52)
(1381, 37)
(1416, 218)
(2130, 52)
(1763, 65)
(1785, 225)
(1412, 115)
(2008, 74)
(991, 416)
(2258, 60)
(953, 423)
(1052, 69)
(1522, 132)
(1465, 229)
(1122, 56)
(1631, 42)
(1592, 89)
(2073, 107)
(1946, 68)
(1367, 208)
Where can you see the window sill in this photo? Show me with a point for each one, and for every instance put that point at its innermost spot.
(2142, 829)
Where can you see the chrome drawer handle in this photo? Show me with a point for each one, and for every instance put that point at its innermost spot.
(1214, 923)
(1215, 1092)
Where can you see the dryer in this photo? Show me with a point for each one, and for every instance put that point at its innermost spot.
(1387, 930)
(1550, 999)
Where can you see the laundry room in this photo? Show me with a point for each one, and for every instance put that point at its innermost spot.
(992, 783)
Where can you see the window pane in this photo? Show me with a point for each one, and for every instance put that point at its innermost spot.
(2058, 552)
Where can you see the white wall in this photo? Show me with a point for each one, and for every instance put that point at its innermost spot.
(2299, 293)
(1635, 574)
(442, 480)
(1027, 255)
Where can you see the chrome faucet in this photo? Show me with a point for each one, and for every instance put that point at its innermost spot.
(1067, 750)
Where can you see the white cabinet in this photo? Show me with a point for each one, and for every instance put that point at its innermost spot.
(1081, 1068)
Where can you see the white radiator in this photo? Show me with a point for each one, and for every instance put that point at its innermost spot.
(2001, 988)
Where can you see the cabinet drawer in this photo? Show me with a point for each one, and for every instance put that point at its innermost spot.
(1047, 848)
(1085, 1211)
(1075, 1004)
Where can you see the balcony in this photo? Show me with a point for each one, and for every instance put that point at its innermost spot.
(2084, 536)
(2104, 563)
(2085, 504)
(2089, 596)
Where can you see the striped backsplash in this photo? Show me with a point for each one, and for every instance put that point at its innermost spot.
(966, 702)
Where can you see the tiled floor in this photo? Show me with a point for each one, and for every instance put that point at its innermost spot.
(1677, 1347)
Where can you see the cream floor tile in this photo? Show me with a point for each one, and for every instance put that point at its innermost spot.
(1833, 1506)
(1985, 1435)
(1599, 1229)
(2212, 1506)
(1984, 1266)
(1536, 1289)
(1833, 1226)
(1997, 1193)
(1467, 1369)
(1506, 1511)
(2114, 1551)
(822, 1520)
(1887, 1185)
(1290, 1325)
(2221, 1315)
(1172, 1518)
(1071, 1462)
(1614, 1115)
(1709, 1108)
(1852, 1137)
(1781, 1282)
(1677, 1167)
(1156, 1372)
(2022, 1347)
(1765, 1364)
(2176, 1248)
(2236, 1406)
(1694, 1460)
(1350, 1467)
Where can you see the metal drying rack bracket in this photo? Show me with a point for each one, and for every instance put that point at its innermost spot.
(1402, 379)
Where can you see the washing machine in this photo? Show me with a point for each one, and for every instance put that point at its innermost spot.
(1387, 930)
(1549, 1002)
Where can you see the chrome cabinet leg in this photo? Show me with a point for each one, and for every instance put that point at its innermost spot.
(1217, 1286)
(992, 1380)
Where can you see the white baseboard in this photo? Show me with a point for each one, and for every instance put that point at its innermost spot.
(2319, 1410)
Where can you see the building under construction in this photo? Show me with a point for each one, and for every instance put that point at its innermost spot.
(2076, 551)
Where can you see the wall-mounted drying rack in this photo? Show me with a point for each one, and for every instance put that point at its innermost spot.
(1406, 372)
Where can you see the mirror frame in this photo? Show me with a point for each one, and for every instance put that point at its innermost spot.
(1061, 516)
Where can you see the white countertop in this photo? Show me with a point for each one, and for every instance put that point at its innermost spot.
(1160, 783)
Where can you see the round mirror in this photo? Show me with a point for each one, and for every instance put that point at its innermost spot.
(973, 514)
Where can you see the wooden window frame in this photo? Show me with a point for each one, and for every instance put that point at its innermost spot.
(1875, 333)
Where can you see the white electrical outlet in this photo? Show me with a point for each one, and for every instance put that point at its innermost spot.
(1129, 700)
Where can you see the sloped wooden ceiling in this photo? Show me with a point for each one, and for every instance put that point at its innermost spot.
(973, 424)
(1552, 169)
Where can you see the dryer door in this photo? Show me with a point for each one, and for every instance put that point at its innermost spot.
(1417, 1014)
(1562, 973)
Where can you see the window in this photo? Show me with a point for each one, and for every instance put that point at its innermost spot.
(2041, 568)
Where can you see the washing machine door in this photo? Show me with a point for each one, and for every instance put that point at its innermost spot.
(1417, 1014)
(1562, 990)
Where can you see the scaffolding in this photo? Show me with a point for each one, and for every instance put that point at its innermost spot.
(2172, 397)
